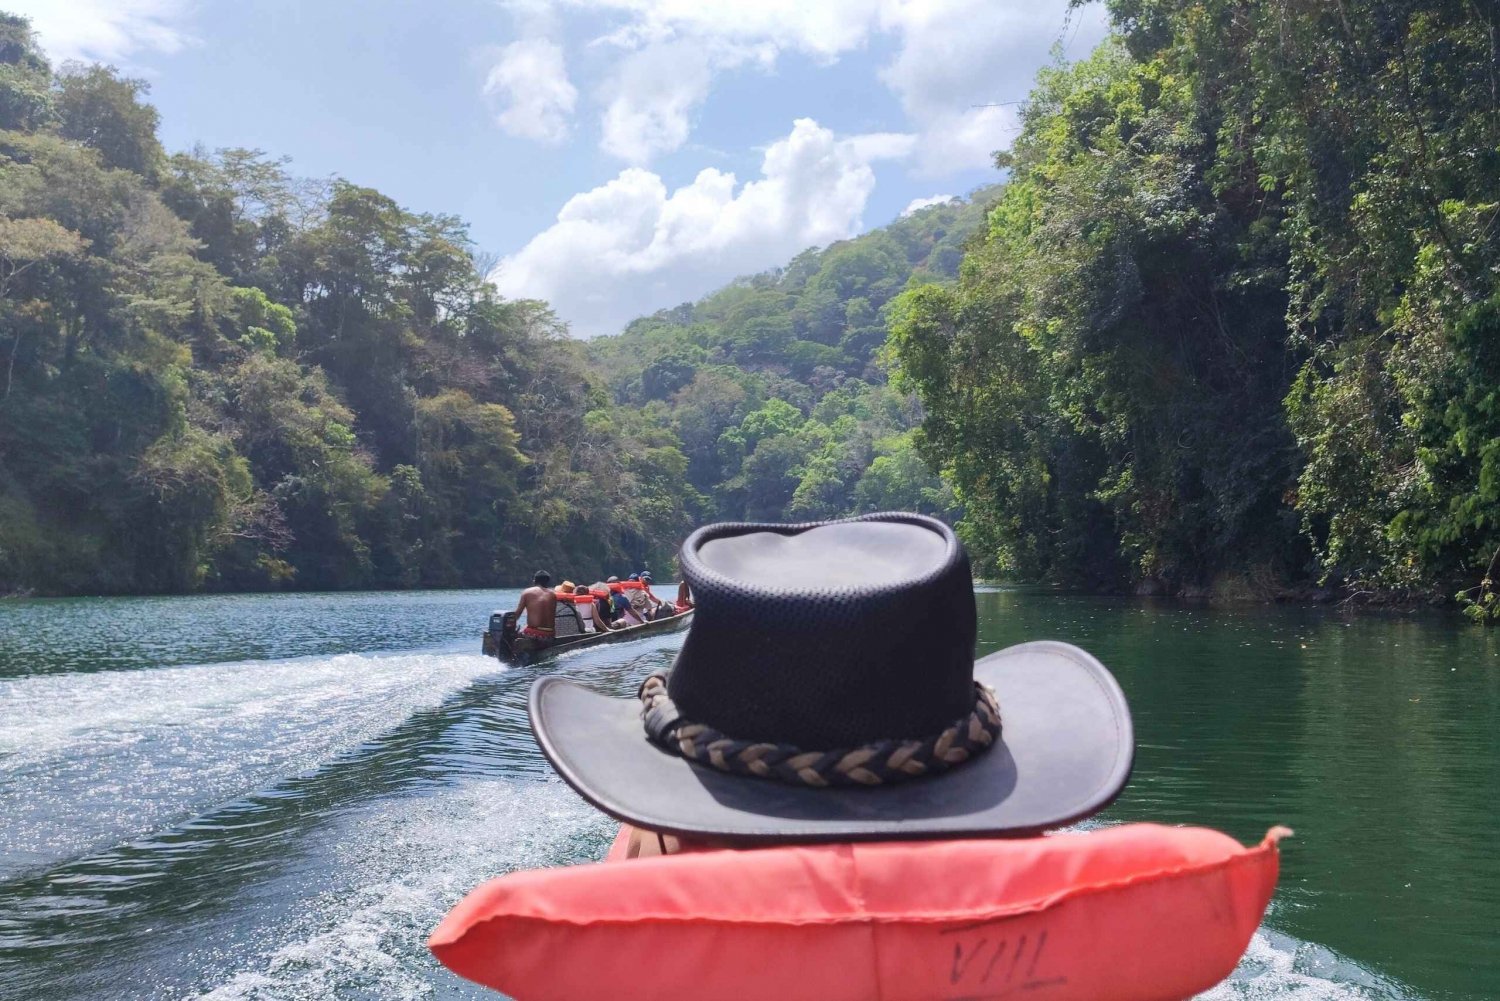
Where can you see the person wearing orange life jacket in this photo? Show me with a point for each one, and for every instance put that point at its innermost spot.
(893, 816)
(578, 614)
(622, 592)
(660, 609)
(642, 601)
(604, 606)
(583, 603)
(568, 623)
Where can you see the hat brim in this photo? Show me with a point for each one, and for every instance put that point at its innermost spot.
(1065, 752)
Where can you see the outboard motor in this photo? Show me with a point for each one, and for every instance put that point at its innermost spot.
(501, 631)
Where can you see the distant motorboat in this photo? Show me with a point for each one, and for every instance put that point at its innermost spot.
(504, 640)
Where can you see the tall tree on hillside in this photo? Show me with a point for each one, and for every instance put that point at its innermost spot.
(107, 112)
(25, 77)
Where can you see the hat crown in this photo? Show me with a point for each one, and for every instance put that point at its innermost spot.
(827, 635)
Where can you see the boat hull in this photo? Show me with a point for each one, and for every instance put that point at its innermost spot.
(518, 649)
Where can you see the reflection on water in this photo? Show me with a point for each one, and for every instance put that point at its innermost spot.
(279, 829)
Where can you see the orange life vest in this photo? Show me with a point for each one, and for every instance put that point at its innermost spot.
(1138, 912)
(576, 598)
(631, 585)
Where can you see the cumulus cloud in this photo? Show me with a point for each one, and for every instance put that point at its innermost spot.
(110, 31)
(530, 83)
(656, 91)
(963, 64)
(823, 29)
(630, 246)
(918, 204)
(954, 60)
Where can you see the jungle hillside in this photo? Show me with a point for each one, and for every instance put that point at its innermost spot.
(1227, 324)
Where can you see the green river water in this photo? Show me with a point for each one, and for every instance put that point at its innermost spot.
(278, 796)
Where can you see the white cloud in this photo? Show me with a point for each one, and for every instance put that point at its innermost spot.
(963, 64)
(954, 59)
(965, 140)
(531, 82)
(110, 31)
(823, 29)
(656, 91)
(630, 247)
(918, 204)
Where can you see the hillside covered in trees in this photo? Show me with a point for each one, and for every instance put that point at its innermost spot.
(1234, 325)
(214, 375)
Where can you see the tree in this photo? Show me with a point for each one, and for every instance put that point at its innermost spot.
(106, 112)
(25, 77)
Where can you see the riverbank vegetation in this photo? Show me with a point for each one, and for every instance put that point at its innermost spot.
(1232, 326)
(1234, 323)
(216, 375)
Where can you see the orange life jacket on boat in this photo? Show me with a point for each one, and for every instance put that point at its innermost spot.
(1137, 912)
(586, 619)
(631, 585)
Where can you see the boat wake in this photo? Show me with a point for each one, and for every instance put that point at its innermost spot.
(88, 760)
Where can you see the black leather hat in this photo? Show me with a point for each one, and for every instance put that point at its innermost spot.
(827, 690)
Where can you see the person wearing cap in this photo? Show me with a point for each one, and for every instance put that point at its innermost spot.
(540, 606)
(662, 609)
(642, 601)
(624, 603)
(827, 690)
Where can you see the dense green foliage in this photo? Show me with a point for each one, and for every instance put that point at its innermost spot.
(1232, 326)
(1233, 323)
(213, 375)
(774, 386)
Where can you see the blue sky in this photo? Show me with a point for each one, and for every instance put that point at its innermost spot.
(620, 156)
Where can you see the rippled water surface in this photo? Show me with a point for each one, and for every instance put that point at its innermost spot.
(277, 797)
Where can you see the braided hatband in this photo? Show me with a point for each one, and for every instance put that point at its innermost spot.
(879, 763)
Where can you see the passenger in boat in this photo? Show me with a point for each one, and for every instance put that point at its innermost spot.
(540, 606)
(568, 623)
(661, 609)
(583, 603)
(626, 614)
(604, 606)
(684, 597)
(642, 601)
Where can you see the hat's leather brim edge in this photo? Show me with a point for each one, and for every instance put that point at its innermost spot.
(1066, 752)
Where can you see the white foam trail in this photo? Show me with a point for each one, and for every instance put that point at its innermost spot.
(1279, 967)
(89, 759)
(409, 862)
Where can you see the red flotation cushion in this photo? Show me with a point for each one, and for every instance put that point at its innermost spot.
(1132, 913)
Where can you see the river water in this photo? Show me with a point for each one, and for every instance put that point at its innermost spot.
(278, 796)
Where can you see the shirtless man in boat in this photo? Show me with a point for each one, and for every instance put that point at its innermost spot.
(540, 606)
